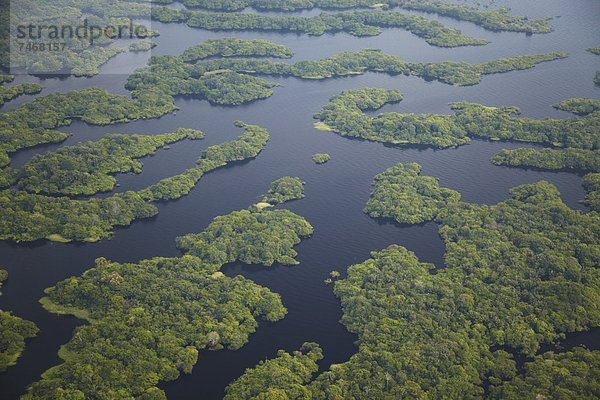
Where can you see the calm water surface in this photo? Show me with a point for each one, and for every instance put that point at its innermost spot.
(335, 192)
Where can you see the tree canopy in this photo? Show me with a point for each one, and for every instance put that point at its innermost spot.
(345, 115)
(517, 274)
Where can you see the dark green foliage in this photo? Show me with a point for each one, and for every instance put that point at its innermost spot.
(27, 217)
(357, 23)
(284, 189)
(497, 19)
(231, 88)
(279, 378)
(591, 184)
(233, 47)
(252, 237)
(13, 333)
(579, 106)
(401, 193)
(571, 375)
(359, 62)
(344, 115)
(147, 322)
(321, 158)
(7, 93)
(597, 78)
(34, 123)
(517, 274)
(552, 159)
(86, 169)
(8, 177)
(228, 81)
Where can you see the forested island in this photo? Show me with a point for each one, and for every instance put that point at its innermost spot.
(147, 321)
(35, 123)
(8, 93)
(571, 158)
(495, 19)
(13, 333)
(228, 79)
(88, 168)
(517, 274)
(28, 217)
(321, 158)
(345, 115)
(356, 23)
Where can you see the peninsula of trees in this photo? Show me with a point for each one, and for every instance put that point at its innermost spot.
(357, 23)
(88, 168)
(345, 116)
(517, 274)
(228, 79)
(7, 93)
(147, 321)
(35, 123)
(495, 19)
(28, 217)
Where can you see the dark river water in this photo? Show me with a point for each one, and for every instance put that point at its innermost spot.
(336, 192)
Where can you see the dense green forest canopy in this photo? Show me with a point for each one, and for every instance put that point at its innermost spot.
(518, 273)
(230, 81)
(401, 193)
(28, 217)
(345, 115)
(7, 93)
(282, 377)
(87, 169)
(233, 47)
(147, 321)
(570, 158)
(579, 106)
(495, 19)
(13, 333)
(591, 184)
(357, 23)
(35, 123)
(252, 237)
(284, 189)
(551, 159)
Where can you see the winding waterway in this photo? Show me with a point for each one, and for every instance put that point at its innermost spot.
(336, 192)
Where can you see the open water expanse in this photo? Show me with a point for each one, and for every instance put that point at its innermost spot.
(336, 192)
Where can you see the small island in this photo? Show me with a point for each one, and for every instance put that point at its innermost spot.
(321, 158)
